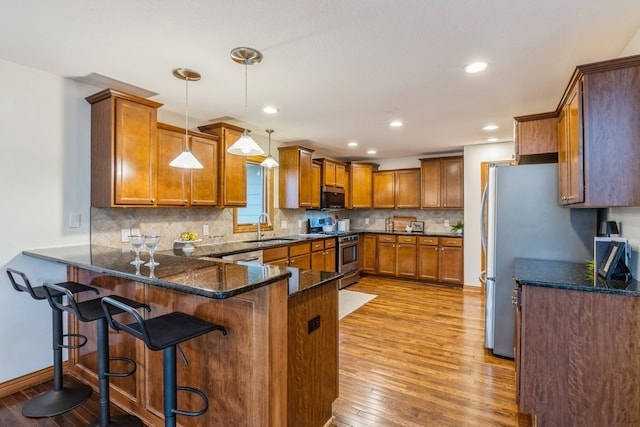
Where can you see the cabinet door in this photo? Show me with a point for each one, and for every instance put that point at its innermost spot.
(387, 258)
(407, 189)
(340, 176)
(361, 185)
(233, 173)
(317, 260)
(369, 253)
(135, 153)
(430, 174)
(383, 189)
(428, 260)
(300, 261)
(315, 185)
(204, 182)
(563, 156)
(406, 256)
(329, 173)
(305, 178)
(452, 182)
(451, 265)
(330, 260)
(173, 183)
(576, 178)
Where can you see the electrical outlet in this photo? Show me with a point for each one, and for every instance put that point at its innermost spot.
(446, 222)
(205, 229)
(283, 225)
(125, 233)
(366, 221)
(135, 232)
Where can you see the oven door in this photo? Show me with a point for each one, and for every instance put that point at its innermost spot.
(348, 256)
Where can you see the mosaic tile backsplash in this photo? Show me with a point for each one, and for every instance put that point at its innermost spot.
(107, 223)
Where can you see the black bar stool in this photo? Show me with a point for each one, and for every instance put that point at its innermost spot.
(165, 333)
(91, 311)
(63, 397)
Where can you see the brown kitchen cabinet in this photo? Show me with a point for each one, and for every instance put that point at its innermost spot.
(386, 251)
(369, 255)
(396, 189)
(361, 185)
(300, 255)
(232, 168)
(428, 258)
(186, 187)
(442, 182)
(451, 260)
(315, 185)
(277, 256)
(397, 255)
(599, 129)
(295, 177)
(333, 173)
(323, 255)
(536, 138)
(123, 149)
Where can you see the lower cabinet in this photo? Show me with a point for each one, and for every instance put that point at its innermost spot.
(296, 255)
(323, 255)
(434, 259)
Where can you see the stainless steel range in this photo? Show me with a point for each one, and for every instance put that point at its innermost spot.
(348, 259)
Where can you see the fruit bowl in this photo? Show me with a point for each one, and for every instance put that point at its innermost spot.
(187, 247)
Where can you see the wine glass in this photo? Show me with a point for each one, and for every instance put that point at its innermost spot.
(136, 242)
(151, 243)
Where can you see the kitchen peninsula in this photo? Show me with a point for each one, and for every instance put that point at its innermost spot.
(247, 373)
(577, 345)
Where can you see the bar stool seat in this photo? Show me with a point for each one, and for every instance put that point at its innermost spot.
(63, 397)
(165, 333)
(92, 311)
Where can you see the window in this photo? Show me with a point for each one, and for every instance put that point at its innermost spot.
(259, 198)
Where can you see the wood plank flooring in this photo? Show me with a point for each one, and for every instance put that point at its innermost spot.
(412, 357)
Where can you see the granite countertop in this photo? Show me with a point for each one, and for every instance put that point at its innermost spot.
(414, 233)
(568, 275)
(206, 277)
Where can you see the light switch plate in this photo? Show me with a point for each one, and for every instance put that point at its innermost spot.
(283, 225)
(446, 222)
(74, 220)
(205, 229)
(125, 233)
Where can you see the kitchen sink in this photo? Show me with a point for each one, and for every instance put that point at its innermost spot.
(273, 240)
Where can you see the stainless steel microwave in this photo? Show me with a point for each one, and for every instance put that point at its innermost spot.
(331, 198)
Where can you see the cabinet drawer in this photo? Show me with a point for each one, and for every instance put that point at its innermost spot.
(428, 241)
(385, 238)
(299, 249)
(407, 239)
(317, 245)
(329, 243)
(451, 241)
(273, 254)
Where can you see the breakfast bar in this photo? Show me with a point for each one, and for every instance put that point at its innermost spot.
(244, 374)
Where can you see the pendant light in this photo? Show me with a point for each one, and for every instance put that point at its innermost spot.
(245, 146)
(186, 159)
(269, 162)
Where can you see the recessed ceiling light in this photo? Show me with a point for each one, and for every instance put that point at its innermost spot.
(396, 123)
(270, 110)
(475, 67)
(371, 152)
(493, 140)
(352, 144)
(490, 127)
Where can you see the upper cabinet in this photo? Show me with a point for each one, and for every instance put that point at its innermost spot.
(315, 185)
(442, 182)
(599, 135)
(123, 149)
(333, 173)
(536, 138)
(295, 177)
(396, 189)
(232, 168)
(186, 187)
(361, 185)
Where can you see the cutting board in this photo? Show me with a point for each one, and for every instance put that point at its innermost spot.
(400, 223)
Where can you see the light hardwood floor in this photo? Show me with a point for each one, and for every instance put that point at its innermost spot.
(414, 356)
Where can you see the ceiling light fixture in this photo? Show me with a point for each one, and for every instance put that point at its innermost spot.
(352, 144)
(396, 123)
(186, 159)
(493, 140)
(245, 146)
(490, 127)
(371, 152)
(269, 162)
(475, 67)
(270, 110)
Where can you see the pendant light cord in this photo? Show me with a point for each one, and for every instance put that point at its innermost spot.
(186, 113)
(246, 84)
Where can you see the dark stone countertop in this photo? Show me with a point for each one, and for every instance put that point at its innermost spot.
(413, 233)
(209, 278)
(568, 275)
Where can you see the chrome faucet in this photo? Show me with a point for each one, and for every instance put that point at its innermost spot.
(268, 220)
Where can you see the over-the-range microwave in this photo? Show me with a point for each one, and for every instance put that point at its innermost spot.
(331, 197)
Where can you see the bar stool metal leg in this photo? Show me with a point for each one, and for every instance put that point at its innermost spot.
(63, 397)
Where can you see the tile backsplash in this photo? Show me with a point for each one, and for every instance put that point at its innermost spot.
(107, 223)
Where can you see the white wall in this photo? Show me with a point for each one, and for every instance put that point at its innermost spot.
(44, 171)
(474, 155)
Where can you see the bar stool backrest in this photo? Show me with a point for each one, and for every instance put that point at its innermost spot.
(139, 330)
(73, 305)
(20, 283)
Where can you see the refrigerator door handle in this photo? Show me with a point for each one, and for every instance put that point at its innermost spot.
(489, 313)
(483, 277)
(483, 228)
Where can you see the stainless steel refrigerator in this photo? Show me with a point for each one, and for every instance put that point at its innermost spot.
(521, 218)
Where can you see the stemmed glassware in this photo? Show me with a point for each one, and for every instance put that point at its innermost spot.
(151, 243)
(136, 242)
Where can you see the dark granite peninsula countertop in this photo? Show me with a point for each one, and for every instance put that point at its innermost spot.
(210, 278)
(568, 275)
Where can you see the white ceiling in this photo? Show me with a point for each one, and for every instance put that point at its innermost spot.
(338, 70)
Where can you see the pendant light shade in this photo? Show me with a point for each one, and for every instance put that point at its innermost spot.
(269, 162)
(245, 146)
(186, 159)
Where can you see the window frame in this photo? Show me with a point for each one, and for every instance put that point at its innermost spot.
(268, 201)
